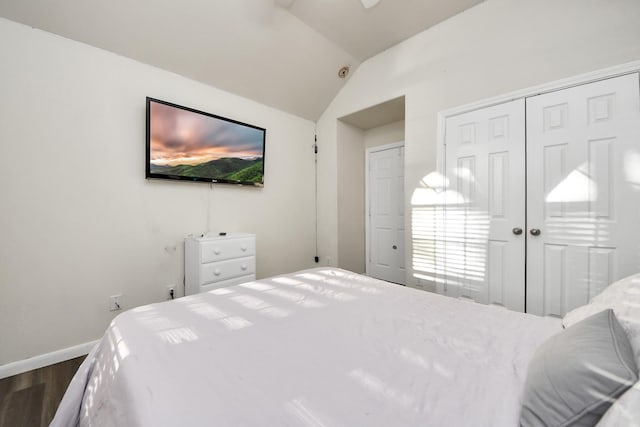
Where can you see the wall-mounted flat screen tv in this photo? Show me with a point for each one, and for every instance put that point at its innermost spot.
(187, 144)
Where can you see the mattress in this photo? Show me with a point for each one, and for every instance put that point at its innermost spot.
(320, 347)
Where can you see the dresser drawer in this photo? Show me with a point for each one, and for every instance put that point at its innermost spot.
(222, 249)
(217, 261)
(224, 270)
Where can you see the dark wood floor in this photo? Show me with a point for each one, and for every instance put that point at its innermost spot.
(31, 398)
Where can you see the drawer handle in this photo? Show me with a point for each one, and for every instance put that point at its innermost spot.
(243, 266)
(216, 251)
(217, 272)
(243, 247)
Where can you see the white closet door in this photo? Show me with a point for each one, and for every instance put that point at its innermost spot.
(583, 189)
(386, 212)
(484, 251)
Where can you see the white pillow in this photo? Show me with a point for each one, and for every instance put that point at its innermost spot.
(623, 297)
(625, 412)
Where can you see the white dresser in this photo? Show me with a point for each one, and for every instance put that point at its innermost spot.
(213, 262)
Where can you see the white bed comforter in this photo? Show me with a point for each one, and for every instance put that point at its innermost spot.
(321, 347)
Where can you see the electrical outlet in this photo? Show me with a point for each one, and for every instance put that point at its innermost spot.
(328, 260)
(171, 292)
(115, 302)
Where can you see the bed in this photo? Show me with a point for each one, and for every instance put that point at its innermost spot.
(320, 347)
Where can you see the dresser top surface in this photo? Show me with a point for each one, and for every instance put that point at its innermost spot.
(216, 236)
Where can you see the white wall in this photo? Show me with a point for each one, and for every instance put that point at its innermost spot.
(351, 206)
(382, 135)
(78, 220)
(494, 48)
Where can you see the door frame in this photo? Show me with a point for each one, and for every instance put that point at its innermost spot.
(577, 80)
(367, 200)
(580, 79)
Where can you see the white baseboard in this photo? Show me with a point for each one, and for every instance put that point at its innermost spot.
(26, 365)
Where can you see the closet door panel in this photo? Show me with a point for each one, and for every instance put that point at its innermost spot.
(483, 258)
(583, 192)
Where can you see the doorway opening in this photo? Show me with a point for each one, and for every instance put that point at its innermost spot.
(357, 134)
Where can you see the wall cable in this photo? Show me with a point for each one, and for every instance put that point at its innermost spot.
(209, 209)
(315, 171)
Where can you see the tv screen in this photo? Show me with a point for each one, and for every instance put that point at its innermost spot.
(187, 144)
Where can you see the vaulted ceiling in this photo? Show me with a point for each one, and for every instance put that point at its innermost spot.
(282, 53)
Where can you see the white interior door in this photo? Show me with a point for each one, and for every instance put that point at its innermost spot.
(583, 162)
(484, 214)
(385, 258)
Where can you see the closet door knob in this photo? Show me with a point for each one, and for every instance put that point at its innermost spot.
(534, 232)
(394, 247)
(517, 231)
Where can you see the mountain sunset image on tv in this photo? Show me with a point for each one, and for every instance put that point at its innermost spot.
(187, 144)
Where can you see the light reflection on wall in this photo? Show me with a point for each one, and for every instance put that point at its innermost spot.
(449, 234)
(576, 187)
(450, 231)
(631, 169)
(466, 232)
